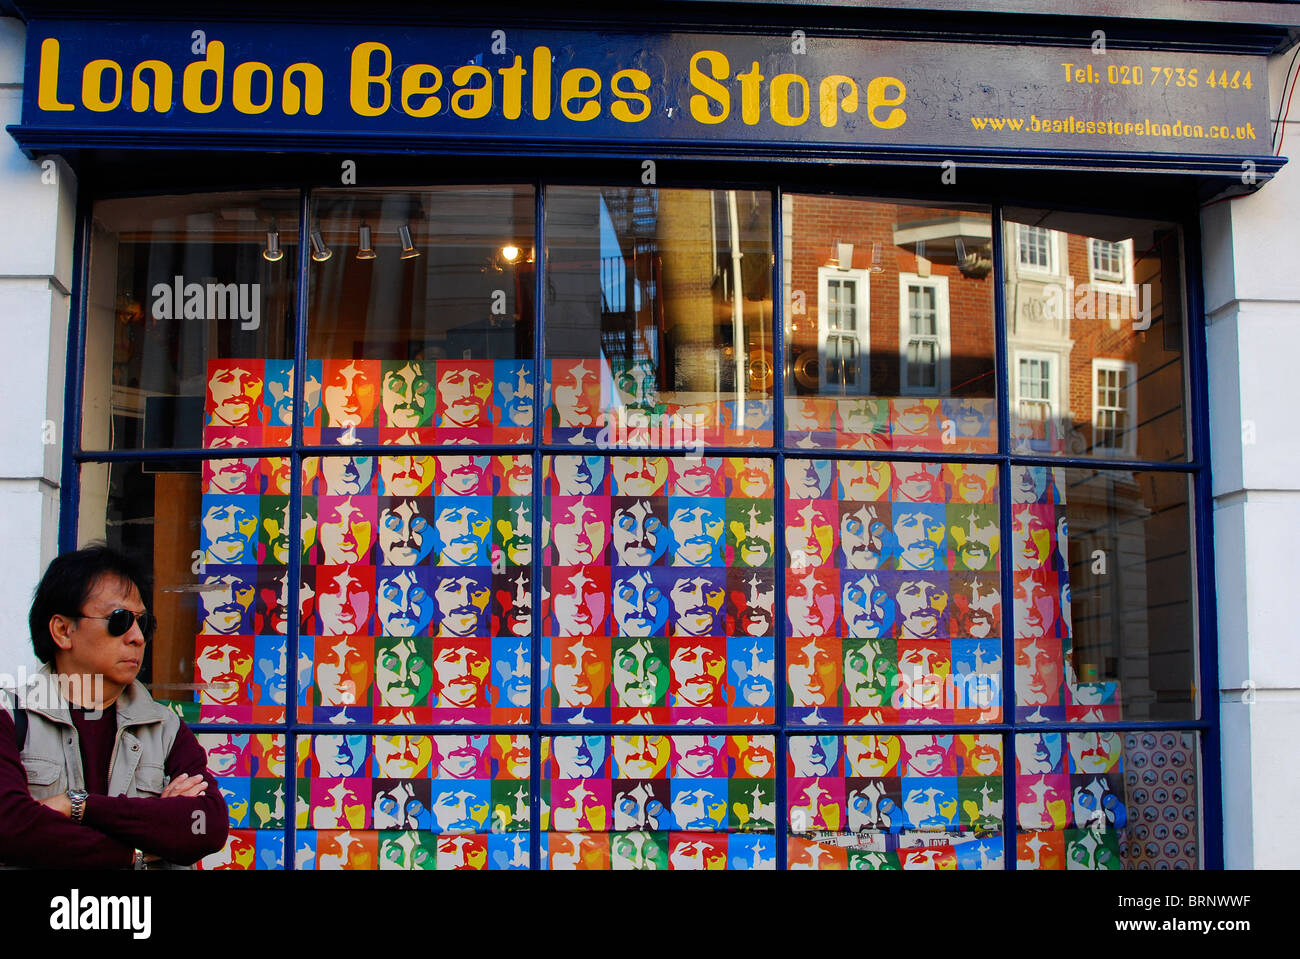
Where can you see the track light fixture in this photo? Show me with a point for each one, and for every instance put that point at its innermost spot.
(319, 251)
(408, 247)
(364, 250)
(273, 253)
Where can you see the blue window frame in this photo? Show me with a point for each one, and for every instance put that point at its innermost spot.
(1195, 467)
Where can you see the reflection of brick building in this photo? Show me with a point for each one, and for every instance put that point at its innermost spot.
(1095, 361)
(1094, 349)
(904, 279)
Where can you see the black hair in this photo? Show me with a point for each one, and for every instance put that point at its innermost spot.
(67, 584)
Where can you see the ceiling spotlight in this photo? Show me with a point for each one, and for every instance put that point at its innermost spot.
(273, 253)
(408, 247)
(364, 250)
(510, 253)
(319, 251)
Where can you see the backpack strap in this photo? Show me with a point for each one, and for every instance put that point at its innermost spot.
(20, 723)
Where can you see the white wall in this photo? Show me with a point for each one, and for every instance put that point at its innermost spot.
(35, 281)
(1251, 250)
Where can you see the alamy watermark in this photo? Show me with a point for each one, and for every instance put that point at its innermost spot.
(76, 912)
(1100, 301)
(622, 428)
(179, 300)
(42, 690)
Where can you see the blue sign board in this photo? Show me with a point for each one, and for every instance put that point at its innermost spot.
(308, 85)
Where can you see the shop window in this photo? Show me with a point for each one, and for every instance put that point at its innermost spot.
(661, 306)
(554, 587)
(909, 351)
(1120, 323)
(191, 322)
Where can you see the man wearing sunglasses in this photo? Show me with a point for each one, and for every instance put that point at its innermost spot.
(93, 772)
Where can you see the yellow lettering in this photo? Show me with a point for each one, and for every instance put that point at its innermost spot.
(162, 86)
(47, 87)
(877, 97)
(751, 84)
(362, 80)
(92, 85)
(412, 86)
(541, 83)
(830, 98)
(572, 88)
(480, 97)
(779, 99)
(313, 89)
(620, 110)
(192, 79)
(241, 88)
(709, 87)
(512, 89)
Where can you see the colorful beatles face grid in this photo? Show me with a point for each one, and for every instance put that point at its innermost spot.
(895, 802)
(1050, 685)
(413, 802)
(658, 590)
(249, 769)
(243, 605)
(916, 424)
(659, 802)
(250, 402)
(414, 597)
(618, 405)
(423, 589)
(415, 606)
(1106, 800)
(893, 603)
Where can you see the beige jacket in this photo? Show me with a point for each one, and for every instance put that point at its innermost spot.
(146, 732)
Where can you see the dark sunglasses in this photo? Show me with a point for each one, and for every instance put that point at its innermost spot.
(120, 620)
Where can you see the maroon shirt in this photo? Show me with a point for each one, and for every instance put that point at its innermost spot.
(113, 826)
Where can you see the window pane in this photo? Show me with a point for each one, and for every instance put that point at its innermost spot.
(403, 802)
(659, 802)
(1108, 800)
(895, 802)
(659, 315)
(215, 534)
(421, 315)
(1105, 619)
(659, 590)
(1095, 333)
(418, 567)
(924, 308)
(190, 318)
(249, 769)
(893, 606)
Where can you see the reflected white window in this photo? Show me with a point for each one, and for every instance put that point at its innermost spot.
(1114, 404)
(923, 334)
(843, 333)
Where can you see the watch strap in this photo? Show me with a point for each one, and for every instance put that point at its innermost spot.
(77, 797)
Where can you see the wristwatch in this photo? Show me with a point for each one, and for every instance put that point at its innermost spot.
(78, 799)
